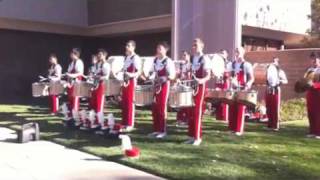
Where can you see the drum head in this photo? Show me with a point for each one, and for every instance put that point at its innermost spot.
(217, 64)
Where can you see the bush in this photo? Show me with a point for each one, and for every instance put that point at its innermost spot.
(294, 109)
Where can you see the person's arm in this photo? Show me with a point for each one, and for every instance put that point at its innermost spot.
(57, 74)
(282, 77)
(79, 68)
(171, 69)
(106, 71)
(249, 70)
(207, 69)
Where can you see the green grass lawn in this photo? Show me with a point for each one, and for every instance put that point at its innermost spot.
(257, 155)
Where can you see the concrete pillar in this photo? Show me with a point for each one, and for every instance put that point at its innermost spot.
(215, 21)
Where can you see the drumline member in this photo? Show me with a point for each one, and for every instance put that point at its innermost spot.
(74, 74)
(54, 74)
(184, 74)
(313, 99)
(223, 84)
(94, 66)
(98, 97)
(132, 70)
(275, 77)
(201, 74)
(162, 72)
(241, 79)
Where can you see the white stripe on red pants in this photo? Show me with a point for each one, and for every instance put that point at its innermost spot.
(128, 107)
(195, 125)
(273, 107)
(236, 117)
(159, 108)
(313, 104)
(98, 99)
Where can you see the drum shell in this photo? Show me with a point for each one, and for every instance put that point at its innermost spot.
(248, 98)
(82, 89)
(40, 89)
(144, 95)
(213, 95)
(227, 97)
(260, 74)
(302, 85)
(112, 87)
(56, 88)
(180, 97)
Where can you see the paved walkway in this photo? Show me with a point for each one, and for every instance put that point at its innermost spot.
(44, 160)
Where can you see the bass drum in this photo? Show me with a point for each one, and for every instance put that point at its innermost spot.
(181, 96)
(144, 95)
(116, 65)
(217, 64)
(147, 65)
(260, 73)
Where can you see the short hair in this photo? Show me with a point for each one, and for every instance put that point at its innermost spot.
(185, 51)
(165, 45)
(198, 40)
(103, 51)
(76, 51)
(223, 50)
(313, 55)
(53, 55)
(132, 42)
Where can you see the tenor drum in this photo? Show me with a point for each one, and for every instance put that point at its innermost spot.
(248, 98)
(260, 73)
(213, 94)
(226, 96)
(56, 88)
(144, 95)
(40, 89)
(82, 89)
(112, 87)
(181, 96)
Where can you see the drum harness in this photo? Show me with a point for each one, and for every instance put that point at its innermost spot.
(158, 84)
(194, 84)
(125, 77)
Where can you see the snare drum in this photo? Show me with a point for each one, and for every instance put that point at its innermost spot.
(181, 96)
(40, 89)
(144, 95)
(82, 89)
(56, 87)
(248, 98)
(112, 87)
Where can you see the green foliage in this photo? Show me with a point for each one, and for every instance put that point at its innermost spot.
(294, 109)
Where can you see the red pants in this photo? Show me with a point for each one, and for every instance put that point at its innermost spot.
(195, 125)
(236, 117)
(273, 108)
(74, 103)
(128, 107)
(54, 101)
(184, 115)
(222, 109)
(97, 98)
(313, 104)
(159, 108)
